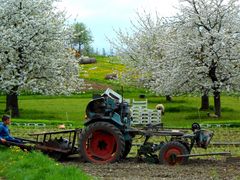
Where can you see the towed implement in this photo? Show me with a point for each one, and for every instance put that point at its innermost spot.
(107, 136)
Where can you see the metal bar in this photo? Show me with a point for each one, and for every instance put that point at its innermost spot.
(157, 133)
(27, 140)
(69, 137)
(52, 132)
(44, 137)
(74, 139)
(21, 145)
(218, 144)
(225, 144)
(51, 149)
(13, 143)
(207, 154)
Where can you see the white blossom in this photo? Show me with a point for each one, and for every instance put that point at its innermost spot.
(33, 52)
(195, 51)
(208, 43)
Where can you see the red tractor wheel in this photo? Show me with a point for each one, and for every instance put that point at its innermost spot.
(101, 142)
(169, 152)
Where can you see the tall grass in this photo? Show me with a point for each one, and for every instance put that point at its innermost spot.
(17, 164)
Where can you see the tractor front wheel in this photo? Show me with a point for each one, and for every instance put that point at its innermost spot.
(101, 142)
(169, 152)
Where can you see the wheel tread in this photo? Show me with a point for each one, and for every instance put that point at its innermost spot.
(170, 145)
(109, 127)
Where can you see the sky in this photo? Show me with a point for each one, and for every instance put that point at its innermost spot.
(103, 16)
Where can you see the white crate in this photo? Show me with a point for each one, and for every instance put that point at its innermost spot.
(141, 115)
(139, 104)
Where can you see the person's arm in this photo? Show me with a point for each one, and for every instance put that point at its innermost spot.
(7, 135)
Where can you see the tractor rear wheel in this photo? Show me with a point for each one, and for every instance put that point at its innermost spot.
(169, 152)
(101, 142)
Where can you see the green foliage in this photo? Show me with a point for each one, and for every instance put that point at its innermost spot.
(17, 164)
(82, 37)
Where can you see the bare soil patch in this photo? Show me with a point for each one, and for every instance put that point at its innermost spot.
(95, 86)
(131, 169)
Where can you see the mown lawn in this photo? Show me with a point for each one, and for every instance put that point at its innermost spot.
(184, 110)
(181, 112)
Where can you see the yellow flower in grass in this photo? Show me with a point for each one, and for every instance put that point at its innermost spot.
(15, 149)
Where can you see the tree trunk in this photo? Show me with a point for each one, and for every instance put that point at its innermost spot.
(217, 104)
(12, 104)
(168, 98)
(205, 103)
(79, 49)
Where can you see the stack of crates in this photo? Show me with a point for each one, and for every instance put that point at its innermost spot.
(141, 115)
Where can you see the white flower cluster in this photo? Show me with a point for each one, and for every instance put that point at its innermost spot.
(33, 52)
(196, 51)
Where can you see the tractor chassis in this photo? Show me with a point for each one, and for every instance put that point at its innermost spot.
(174, 140)
(176, 149)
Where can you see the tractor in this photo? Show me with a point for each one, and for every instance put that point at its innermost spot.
(106, 137)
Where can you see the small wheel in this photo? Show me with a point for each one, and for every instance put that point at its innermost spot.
(128, 146)
(169, 152)
(101, 142)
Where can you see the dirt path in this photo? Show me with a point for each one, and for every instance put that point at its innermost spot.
(130, 169)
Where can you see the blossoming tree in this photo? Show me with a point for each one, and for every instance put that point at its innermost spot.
(33, 51)
(208, 43)
(195, 51)
(143, 51)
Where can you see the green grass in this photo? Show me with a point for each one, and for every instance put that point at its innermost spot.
(182, 112)
(17, 164)
(54, 110)
(96, 72)
(69, 109)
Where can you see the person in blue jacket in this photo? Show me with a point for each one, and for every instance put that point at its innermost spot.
(4, 131)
